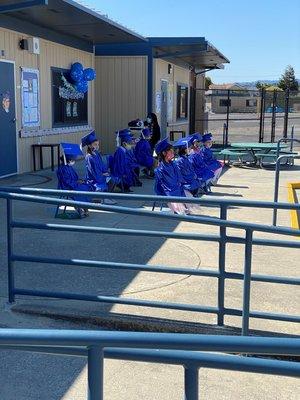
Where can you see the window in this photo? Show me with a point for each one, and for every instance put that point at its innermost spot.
(224, 102)
(251, 103)
(182, 101)
(68, 106)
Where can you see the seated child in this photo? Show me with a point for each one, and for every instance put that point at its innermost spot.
(96, 171)
(125, 167)
(68, 178)
(209, 159)
(168, 179)
(144, 152)
(203, 172)
(191, 182)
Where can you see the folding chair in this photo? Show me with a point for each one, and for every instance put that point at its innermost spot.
(65, 214)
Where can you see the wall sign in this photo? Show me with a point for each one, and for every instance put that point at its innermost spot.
(30, 97)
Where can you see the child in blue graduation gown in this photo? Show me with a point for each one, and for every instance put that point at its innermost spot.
(209, 159)
(168, 179)
(191, 182)
(96, 170)
(144, 152)
(203, 172)
(68, 178)
(125, 166)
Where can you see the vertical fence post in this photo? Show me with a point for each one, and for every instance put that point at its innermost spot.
(227, 117)
(191, 391)
(247, 282)
(276, 188)
(95, 373)
(273, 126)
(286, 113)
(10, 264)
(222, 259)
(262, 116)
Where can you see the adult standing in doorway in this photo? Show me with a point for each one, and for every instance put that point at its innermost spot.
(155, 128)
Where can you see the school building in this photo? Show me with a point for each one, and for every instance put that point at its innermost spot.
(41, 39)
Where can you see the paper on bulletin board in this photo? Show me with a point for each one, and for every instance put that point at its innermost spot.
(170, 103)
(30, 97)
(158, 102)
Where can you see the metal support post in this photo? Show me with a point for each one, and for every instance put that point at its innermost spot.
(10, 264)
(221, 279)
(191, 383)
(247, 282)
(95, 373)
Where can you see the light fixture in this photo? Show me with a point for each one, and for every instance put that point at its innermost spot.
(170, 69)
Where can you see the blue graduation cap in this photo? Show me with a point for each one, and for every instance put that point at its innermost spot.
(206, 137)
(89, 139)
(162, 146)
(184, 142)
(71, 151)
(146, 132)
(125, 135)
(196, 137)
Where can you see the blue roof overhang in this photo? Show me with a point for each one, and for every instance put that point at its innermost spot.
(193, 52)
(66, 18)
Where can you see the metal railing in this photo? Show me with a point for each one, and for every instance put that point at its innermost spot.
(278, 166)
(189, 351)
(18, 194)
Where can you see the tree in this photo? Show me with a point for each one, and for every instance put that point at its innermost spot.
(208, 82)
(262, 85)
(288, 80)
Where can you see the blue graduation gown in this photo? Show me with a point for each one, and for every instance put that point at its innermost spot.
(143, 153)
(123, 166)
(68, 180)
(209, 159)
(95, 168)
(202, 171)
(168, 180)
(191, 181)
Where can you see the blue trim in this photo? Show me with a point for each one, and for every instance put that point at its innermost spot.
(44, 33)
(176, 41)
(22, 5)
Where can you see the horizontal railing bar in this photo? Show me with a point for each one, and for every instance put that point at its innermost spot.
(135, 232)
(206, 360)
(117, 300)
(115, 231)
(264, 278)
(275, 317)
(116, 265)
(179, 357)
(214, 221)
(217, 343)
(64, 351)
(153, 268)
(152, 198)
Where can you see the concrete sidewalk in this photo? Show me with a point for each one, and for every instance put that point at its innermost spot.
(65, 378)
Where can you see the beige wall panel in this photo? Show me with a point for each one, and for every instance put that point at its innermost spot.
(178, 75)
(51, 55)
(121, 95)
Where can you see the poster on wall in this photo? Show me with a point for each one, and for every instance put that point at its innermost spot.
(30, 95)
(157, 102)
(170, 103)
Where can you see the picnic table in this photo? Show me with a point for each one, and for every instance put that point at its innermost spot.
(258, 150)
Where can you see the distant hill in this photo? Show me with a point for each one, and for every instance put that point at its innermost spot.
(252, 85)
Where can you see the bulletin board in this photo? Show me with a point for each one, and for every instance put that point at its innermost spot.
(30, 97)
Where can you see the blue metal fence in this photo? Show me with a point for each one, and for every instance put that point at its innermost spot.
(221, 274)
(189, 351)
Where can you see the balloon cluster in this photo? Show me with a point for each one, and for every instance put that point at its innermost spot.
(81, 77)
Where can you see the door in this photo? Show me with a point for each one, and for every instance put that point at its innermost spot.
(8, 140)
(164, 109)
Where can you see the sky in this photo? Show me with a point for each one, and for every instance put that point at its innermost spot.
(259, 37)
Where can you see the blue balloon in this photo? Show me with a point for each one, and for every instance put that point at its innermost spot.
(76, 72)
(82, 86)
(89, 74)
